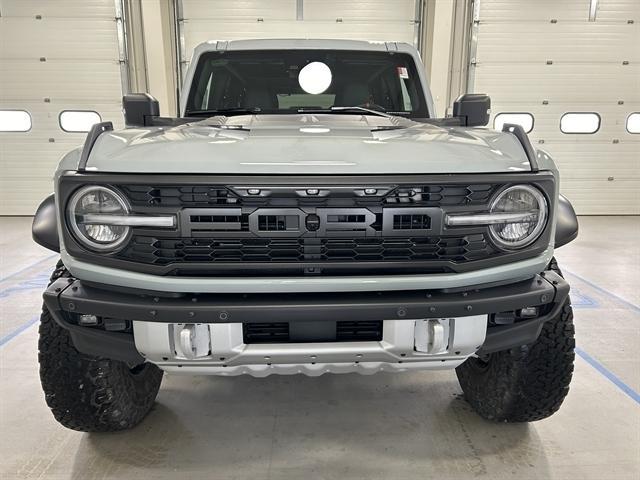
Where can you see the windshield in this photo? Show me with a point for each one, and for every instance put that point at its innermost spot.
(286, 81)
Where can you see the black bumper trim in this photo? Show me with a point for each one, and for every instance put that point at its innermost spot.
(547, 290)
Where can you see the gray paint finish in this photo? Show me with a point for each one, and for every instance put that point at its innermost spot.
(307, 144)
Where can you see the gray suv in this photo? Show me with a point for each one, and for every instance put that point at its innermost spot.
(305, 213)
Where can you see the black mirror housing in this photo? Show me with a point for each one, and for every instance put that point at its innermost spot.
(139, 108)
(474, 109)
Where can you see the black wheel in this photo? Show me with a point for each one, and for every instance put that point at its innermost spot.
(527, 383)
(91, 394)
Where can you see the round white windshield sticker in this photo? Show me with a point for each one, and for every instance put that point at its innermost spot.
(315, 77)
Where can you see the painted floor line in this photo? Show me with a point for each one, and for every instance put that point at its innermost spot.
(8, 277)
(7, 338)
(604, 291)
(609, 375)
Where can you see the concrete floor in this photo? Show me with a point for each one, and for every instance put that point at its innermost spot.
(406, 426)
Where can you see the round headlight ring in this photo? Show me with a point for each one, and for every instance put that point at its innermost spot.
(534, 234)
(82, 236)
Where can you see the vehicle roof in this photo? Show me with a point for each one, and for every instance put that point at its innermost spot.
(301, 44)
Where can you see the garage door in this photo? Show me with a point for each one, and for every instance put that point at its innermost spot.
(571, 69)
(379, 20)
(64, 72)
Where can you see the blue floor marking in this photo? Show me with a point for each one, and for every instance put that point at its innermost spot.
(7, 338)
(629, 304)
(28, 267)
(609, 375)
(581, 300)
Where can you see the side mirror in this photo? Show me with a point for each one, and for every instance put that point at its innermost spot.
(473, 109)
(139, 108)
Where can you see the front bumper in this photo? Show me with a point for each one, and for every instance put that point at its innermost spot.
(154, 316)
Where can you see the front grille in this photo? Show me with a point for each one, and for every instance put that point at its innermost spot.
(325, 331)
(179, 196)
(164, 251)
(223, 195)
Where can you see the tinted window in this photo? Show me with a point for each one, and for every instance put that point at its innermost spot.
(633, 123)
(580, 122)
(270, 82)
(15, 121)
(78, 120)
(523, 119)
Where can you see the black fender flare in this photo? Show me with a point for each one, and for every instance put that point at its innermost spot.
(44, 229)
(566, 224)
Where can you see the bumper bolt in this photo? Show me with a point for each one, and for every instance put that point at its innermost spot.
(432, 309)
(72, 306)
(465, 294)
(544, 298)
(192, 314)
(153, 313)
(223, 316)
(468, 308)
(402, 312)
(156, 299)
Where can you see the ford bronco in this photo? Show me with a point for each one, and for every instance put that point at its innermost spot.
(305, 213)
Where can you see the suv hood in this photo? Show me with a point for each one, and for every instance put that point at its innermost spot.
(307, 144)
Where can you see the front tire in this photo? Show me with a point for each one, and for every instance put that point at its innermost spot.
(87, 393)
(526, 383)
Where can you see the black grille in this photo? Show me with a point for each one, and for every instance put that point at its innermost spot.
(441, 195)
(220, 195)
(180, 196)
(266, 332)
(340, 331)
(163, 251)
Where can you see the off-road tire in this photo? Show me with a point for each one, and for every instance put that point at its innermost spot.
(526, 383)
(87, 393)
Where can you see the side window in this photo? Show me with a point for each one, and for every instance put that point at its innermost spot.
(525, 120)
(15, 121)
(78, 120)
(633, 123)
(580, 122)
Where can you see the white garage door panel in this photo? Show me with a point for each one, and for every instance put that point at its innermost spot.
(79, 42)
(86, 39)
(66, 80)
(505, 11)
(619, 10)
(224, 10)
(599, 172)
(571, 84)
(538, 42)
(364, 10)
(57, 8)
(597, 161)
(20, 201)
(601, 197)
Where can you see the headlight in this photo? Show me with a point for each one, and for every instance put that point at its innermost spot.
(86, 214)
(521, 214)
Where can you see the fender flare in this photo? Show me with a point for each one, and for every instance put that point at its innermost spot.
(44, 229)
(566, 224)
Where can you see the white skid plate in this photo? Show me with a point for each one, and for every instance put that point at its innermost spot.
(405, 345)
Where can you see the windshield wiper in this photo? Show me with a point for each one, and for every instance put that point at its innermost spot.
(223, 111)
(352, 109)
